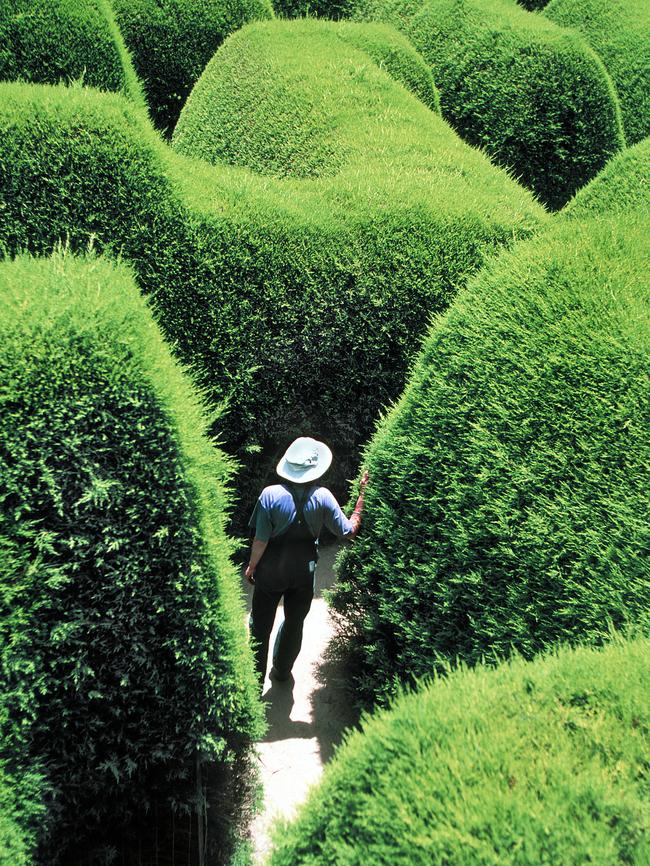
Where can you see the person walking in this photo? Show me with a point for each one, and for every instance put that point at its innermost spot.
(288, 519)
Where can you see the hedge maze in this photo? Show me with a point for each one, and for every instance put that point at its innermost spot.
(420, 235)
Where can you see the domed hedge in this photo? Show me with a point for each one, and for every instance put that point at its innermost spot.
(539, 762)
(620, 188)
(172, 41)
(619, 31)
(508, 502)
(531, 94)
(127, 677)
(303, 99)
(262, 284)
(48, 41)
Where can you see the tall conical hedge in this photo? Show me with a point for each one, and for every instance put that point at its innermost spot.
(620, 188)
(508, 503)
(300, 302)
(530, 93)
(539, 762)
(127, 677)
(619, 32)
(173, 40)
(47, 41)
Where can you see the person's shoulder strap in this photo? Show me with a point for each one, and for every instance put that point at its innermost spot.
(300, 501)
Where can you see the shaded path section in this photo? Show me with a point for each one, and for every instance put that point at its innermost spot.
(306, 717)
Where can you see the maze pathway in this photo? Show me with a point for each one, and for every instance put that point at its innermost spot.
(306, 718)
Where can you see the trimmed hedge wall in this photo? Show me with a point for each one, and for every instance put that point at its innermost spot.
(127, 676)
(621, 187)
(531, 94)
(619, 32)
(508, 503)
(173, 40)
(335, 10)
(542, 762)
(301, 302)
(48, 41)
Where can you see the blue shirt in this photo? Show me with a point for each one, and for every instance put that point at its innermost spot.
(275, 511)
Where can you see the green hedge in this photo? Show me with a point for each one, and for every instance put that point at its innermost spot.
(621, 187)
(302, 302)
(531, 94)
(542, 762)
(172, 41)
(619, 32)
(304, 98)
(125, 664)
(508, 501)
(335, 10)
(16, 844)
(48, 41)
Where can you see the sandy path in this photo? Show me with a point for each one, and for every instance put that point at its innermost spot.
(306, 717)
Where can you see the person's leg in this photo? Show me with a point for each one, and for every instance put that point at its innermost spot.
(265, 603)
(297, 602)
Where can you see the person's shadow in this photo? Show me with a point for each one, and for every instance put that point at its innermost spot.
(279, 703)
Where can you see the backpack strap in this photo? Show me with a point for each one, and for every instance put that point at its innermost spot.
(300, 502)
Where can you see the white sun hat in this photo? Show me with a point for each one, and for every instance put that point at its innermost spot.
(305, 460)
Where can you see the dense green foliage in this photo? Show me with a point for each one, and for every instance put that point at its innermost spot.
(621, 187)
(172, 41)
(508, 504)
(300, 301)
(533, 5)
(332, 9)
(127, 678)
(262, 102)
(530, 93)
(14, 841)
(48, 41)
(619, 32)
(539, 762)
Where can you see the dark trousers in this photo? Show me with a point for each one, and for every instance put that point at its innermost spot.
(297, 601)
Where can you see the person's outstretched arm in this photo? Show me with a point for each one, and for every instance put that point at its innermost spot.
(257, 550)
(355, 517)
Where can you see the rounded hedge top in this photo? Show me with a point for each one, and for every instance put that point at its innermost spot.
(249, 274)
(619, 31)
(509, 497)
(308, 99)
(532, 94)
(621, 187)
(173, 40)
(128, 660)
(47, 41)
(544, 762)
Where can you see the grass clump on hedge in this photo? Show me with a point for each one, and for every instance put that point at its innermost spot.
(173, 40)
(531, 94)
(128, 680)
(264, 283)
(508, 503)
(538, 762)
(620, 188)
(47, 41)
(619, 32)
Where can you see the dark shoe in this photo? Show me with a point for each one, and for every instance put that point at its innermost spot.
(280, 676)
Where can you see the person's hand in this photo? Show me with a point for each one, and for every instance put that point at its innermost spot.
(365, 478)
(250, 574)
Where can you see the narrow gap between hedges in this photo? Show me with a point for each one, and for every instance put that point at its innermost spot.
(306, 718)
